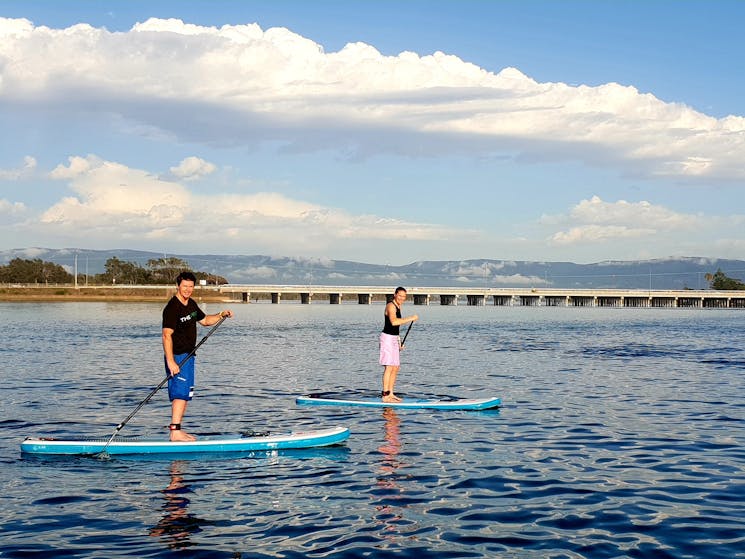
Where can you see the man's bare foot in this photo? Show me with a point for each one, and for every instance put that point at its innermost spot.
(391, 399)
(182, 436)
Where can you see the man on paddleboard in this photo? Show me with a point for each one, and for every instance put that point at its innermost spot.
(390, 343)
(180, 317)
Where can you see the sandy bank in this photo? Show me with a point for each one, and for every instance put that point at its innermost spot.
(119, 293)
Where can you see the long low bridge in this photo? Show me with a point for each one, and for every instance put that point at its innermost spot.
(497, 296)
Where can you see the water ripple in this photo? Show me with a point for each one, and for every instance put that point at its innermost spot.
(620, 436)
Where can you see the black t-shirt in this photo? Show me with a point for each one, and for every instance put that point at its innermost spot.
(182, 319)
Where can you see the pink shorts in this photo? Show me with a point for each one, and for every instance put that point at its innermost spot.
(389, 350)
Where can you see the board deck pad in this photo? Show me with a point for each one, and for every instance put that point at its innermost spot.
(206, 444)
(407, 403)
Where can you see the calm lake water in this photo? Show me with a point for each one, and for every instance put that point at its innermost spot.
(621, 434)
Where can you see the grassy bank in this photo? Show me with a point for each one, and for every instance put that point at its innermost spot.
(97, 293)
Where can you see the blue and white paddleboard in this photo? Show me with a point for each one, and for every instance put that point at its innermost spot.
(455, 404)
(207, 444)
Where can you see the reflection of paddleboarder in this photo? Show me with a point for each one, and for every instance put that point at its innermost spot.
(177, 524)
(388, 512)
(392, 439)
(390, 343)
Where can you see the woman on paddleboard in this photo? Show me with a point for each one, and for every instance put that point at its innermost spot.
(180, 317)
(390, 343)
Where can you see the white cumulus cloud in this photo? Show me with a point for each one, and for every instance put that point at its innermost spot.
(11, 208)
(595, 220)
(192, 168)
(240, 84)
(113, 201)
(25, 170)
(623, 213)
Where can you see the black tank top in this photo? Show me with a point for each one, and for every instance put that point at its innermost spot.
(389, 328)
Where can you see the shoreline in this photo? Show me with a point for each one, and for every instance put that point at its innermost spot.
(154, 294)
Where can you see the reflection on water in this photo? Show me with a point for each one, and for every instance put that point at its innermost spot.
(177, 525)
(390, 448)
(388, 512)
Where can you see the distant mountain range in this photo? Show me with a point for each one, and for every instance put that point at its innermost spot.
(665, 273)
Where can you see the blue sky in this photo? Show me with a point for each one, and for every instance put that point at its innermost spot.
(376, 131)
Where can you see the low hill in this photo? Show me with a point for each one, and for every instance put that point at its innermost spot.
(667, 273)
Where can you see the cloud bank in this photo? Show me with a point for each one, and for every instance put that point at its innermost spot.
(117, 202)
(239, 85)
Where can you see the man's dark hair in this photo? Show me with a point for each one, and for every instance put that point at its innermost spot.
(188, 276)
(400, 289)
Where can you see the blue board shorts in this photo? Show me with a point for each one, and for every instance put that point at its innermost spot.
(389, 350)
(181, 385)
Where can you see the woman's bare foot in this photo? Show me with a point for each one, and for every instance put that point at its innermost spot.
(182, 436)
(391, 399)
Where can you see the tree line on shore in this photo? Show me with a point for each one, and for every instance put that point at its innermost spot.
(721, 282)
(159, 271)
(163, 271)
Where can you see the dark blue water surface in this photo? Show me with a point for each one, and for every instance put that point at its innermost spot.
(621, 434)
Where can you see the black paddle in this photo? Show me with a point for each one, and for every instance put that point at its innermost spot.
(165, 380)
(407, 333)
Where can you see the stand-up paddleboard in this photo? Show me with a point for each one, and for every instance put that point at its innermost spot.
(450, 404)
(207, 444)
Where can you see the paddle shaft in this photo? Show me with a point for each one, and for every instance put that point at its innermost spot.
(165, 380)
(407, 333)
